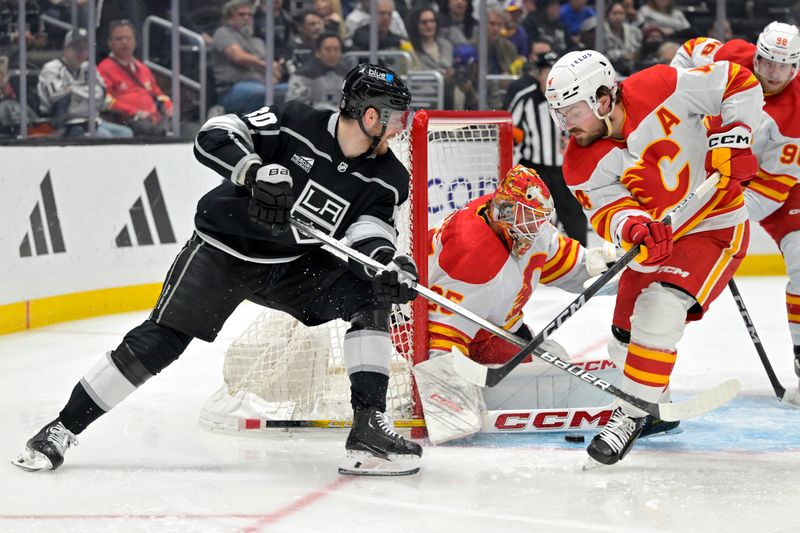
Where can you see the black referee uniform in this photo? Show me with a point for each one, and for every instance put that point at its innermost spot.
(540, 149)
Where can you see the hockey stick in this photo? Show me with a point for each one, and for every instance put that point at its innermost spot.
(261, 423)
(695, 406)
(489, 377)
(788, 397)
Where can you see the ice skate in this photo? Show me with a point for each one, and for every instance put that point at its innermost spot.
(46, 449)
(375, 449)
(614, 441)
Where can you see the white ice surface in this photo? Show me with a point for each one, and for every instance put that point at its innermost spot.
(148, 466)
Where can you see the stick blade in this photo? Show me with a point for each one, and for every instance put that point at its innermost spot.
(702, 403)
(468, 369)
(791, 398)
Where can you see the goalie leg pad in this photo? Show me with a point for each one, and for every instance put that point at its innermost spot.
(453, 407)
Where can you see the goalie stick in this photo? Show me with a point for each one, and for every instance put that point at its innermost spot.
(489, 377)
(791, 398)
(695, 406)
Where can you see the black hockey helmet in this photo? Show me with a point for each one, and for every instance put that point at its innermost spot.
(373, 86)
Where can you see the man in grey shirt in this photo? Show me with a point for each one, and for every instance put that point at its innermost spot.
(239, 66)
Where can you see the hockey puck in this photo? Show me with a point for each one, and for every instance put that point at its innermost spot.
(574, 438)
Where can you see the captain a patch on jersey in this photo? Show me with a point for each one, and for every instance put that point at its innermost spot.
(321, 207)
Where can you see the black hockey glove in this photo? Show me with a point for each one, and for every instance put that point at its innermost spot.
(393, 284)
(271, 196)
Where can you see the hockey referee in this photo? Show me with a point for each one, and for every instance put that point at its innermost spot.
(542, 145)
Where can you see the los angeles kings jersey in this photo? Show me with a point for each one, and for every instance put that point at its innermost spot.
(471, 265)
(355, 198)
(661, 158)
(776, 142)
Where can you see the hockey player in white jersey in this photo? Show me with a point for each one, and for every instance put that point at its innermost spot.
(489, 257)
(772, 197)
(637, 149)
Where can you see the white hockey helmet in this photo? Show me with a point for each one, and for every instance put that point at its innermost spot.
(576, 77)
(779, 42)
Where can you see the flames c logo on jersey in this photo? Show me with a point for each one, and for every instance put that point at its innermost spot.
(655, 190)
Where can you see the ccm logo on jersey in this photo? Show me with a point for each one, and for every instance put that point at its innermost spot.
(667, 269)
(321, 206)
(549, 419)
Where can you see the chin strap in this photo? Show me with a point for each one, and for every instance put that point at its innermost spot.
(376, 139)
(608, 126)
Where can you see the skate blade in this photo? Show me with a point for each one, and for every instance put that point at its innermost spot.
(32, 461)
(674, 431)
(366, 464)
(590, 464)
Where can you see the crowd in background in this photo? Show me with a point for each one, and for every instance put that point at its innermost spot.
(310, 38)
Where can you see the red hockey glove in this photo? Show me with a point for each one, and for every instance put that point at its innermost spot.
(653, 237)
(729, 152)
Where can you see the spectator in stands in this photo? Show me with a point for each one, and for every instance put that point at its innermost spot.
(239, 60)
(331, 11)
(456, 20)
(283, 32)
(502, 55)
(513, 30)
(360, 17)
(465, 64)
(527, 77)
(63, 90)
(387, 39)
(665, 15)
(573, 13)
(723, 36)
(587, 36)
(431, 51)
(308, 25)
(622, 39)
(202, 17)
(136, 99)
(631, 8)
(530, 9)
(652, 39)
(667, 51)
(319, 82)
(549, 25)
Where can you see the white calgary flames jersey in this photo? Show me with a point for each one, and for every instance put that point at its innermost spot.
(661, 158)
(471, 265)
(777, 139)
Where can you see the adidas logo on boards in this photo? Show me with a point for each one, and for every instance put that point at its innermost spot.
(139, 220)
(37, 233)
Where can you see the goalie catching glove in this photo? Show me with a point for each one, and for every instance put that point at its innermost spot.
(271, 196)
(393, 283)
(729, 153)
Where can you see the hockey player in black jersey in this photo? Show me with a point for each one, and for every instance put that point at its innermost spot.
(332, 169)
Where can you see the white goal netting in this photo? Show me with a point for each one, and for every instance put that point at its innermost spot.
(279, 369)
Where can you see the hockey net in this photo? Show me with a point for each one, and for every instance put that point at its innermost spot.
(280, 370)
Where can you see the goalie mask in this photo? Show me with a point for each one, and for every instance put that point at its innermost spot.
(522, 208)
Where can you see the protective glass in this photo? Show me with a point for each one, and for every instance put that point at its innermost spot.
(571, 115)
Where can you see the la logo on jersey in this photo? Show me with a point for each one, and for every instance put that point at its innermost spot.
(320, 206)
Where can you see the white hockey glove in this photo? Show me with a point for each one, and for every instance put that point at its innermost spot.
(271, 195)
(393, 283)
(453, 406)
(597, 262)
